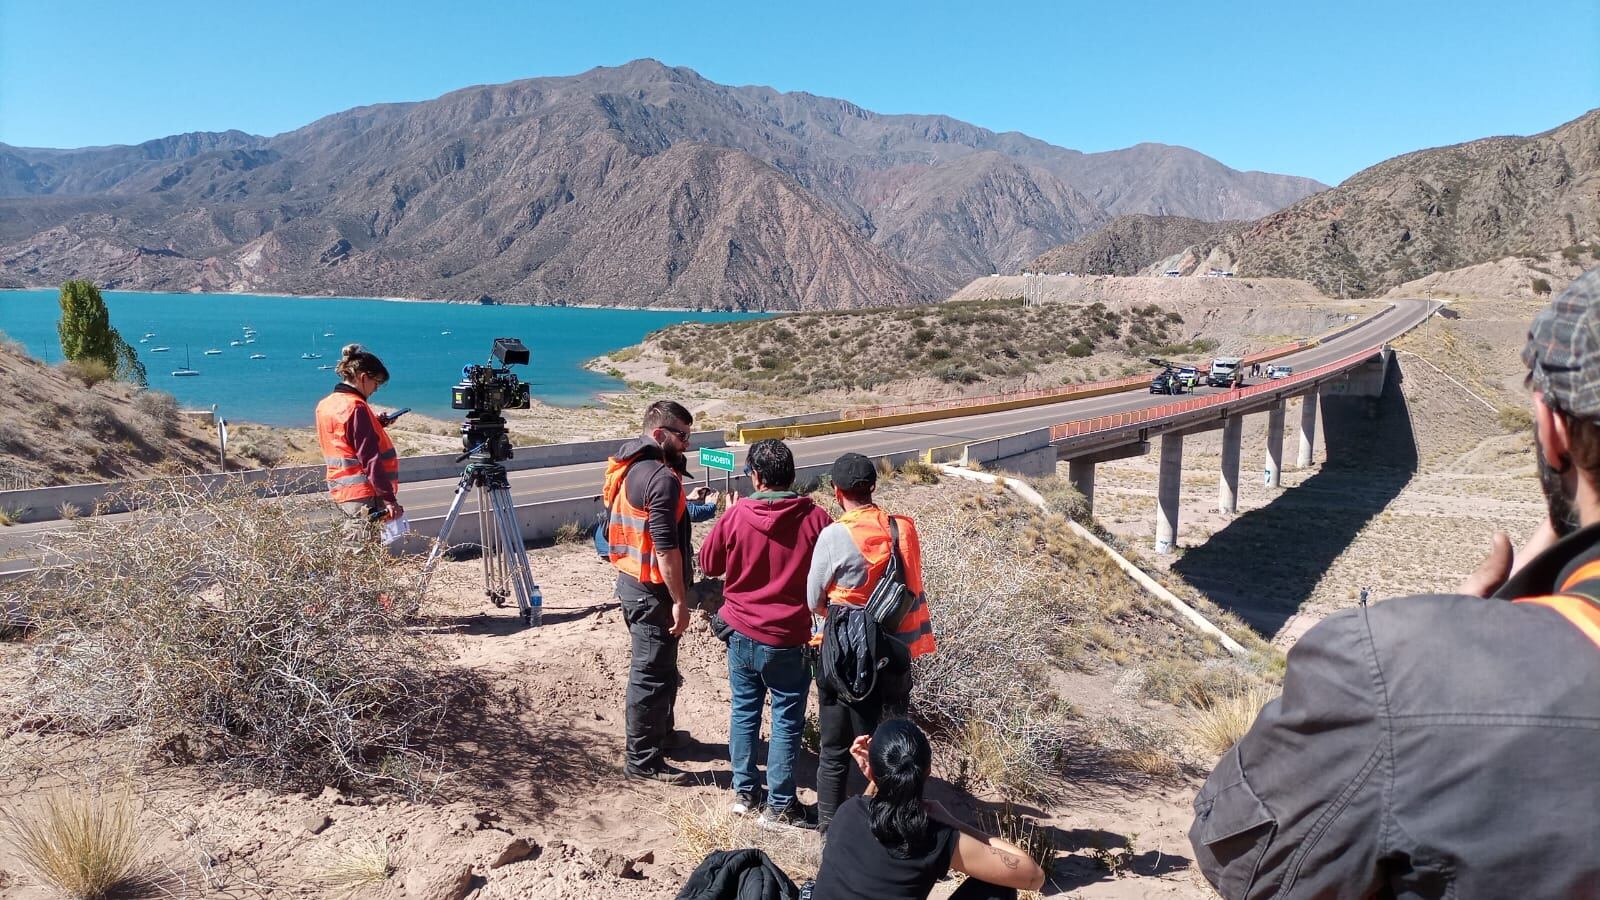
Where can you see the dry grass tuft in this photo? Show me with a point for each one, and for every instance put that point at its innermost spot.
(348, 869)
(83, 842)
(1219, 726)
(570, 533)
(1038, 842)
(223, 630)
(704, 827)
(9, 516)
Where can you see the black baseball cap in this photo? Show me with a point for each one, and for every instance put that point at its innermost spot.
(852, 471)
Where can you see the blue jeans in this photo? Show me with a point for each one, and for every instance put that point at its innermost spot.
(754, 670)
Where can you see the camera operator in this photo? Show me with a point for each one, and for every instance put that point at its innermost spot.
(363, 467)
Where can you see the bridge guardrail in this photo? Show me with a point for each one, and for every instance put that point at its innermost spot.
(1157, 414)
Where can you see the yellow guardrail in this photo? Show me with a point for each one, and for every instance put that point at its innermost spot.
(844, 426)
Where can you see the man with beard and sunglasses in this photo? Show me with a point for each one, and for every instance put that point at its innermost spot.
(647, 530)
(1444, 745)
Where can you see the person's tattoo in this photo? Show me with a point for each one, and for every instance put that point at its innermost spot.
(1010, 861)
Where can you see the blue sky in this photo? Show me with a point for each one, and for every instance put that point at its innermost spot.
(1321, 89)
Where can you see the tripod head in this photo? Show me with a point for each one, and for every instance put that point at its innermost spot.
(485, 438)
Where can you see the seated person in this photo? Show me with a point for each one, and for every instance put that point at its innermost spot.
(891, 844)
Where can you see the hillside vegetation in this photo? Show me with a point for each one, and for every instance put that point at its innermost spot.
(956, 344)
(57, 427)
(1430, 211)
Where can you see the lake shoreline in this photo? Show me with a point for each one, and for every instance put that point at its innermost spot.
(497, 304)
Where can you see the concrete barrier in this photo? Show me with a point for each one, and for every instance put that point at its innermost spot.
(832, 415)
(44, 504)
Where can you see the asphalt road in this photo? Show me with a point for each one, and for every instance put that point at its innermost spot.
(432, 498)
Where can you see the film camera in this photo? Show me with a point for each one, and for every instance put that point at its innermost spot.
(483, 392)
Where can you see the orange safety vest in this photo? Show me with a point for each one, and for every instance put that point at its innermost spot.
(628, 526)
(869, 529)
(1578, 602)
(347, 474)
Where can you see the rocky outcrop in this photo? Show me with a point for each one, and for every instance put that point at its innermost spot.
(1429, 211)
(1128, 245)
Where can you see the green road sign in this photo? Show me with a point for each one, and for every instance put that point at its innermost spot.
(717, 459)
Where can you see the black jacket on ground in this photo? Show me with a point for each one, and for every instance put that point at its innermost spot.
(738, 875)
(1426, 746)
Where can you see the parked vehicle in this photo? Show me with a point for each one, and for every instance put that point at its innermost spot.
(1276, 372)
(1223, 370)
(1189, 376)
(1166, 382)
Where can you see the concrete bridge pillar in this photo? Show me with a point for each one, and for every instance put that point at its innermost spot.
(1273, 473)
(1081, 473)
(1228, 486)
(1308, 429)
(1168, 492)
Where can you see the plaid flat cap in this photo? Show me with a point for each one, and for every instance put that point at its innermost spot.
(1563, 349)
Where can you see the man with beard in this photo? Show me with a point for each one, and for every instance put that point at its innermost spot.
(648, 531)
(1444, 745)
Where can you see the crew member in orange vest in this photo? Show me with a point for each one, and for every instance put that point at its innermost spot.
(1443, 745)
(363, 468)
(851, 556)
(648, 531)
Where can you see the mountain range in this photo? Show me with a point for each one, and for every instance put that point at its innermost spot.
(1430, 211)
(640, 185)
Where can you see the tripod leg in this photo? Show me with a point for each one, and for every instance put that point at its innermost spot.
(444, 531)
(529, 600)
(493, 581)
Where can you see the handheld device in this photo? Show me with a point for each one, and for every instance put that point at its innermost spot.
(391, 417)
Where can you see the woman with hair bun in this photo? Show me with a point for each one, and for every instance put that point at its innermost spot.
(892, 844)
(363, 468)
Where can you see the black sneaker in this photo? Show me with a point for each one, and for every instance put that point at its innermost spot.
(745, 802)
(795, 815)
(662, 774)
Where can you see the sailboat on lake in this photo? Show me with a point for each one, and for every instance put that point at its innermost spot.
(312, 353)
(185, 372)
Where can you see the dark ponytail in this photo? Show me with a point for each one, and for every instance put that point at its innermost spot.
(900, 759)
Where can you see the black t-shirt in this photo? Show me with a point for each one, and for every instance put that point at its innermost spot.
(855, 866)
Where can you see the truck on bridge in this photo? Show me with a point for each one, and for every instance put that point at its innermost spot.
(1224, 371)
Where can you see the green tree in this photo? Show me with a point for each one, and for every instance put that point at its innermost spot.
(86, 332)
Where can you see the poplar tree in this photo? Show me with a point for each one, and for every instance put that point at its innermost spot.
(86, 333)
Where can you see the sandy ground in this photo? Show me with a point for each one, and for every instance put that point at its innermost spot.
(536, 756)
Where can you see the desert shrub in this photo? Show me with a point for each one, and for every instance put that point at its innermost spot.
(1035, 840)
(253, 636)
(1514, 419)
(919, 472)
(995, 605)
(1061, 498)
(1219, 726)
(570, 532)
(84, 842)
(96, 416)
(161, 409)
(89, 371)
(1541, 286)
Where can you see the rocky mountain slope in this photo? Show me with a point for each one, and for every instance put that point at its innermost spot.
(639, 184)
(1129, 244)
(1429, 211)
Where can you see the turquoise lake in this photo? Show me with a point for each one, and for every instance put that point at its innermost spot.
(410, 338)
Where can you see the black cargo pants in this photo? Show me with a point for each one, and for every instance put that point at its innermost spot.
(840, 723)
(652, 675)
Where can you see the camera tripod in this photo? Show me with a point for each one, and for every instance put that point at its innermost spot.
(506, 573)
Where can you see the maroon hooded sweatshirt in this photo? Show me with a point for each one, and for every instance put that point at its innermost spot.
(763, 546)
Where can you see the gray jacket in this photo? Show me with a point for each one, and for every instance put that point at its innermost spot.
(1426, 746)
